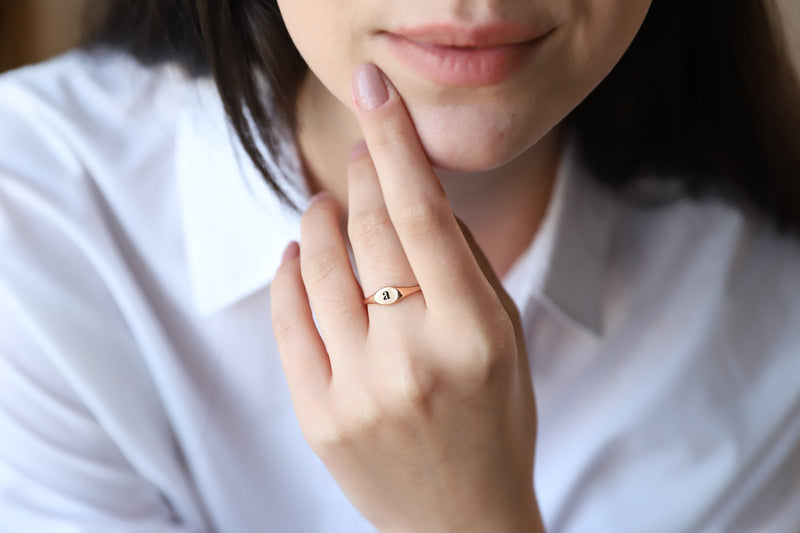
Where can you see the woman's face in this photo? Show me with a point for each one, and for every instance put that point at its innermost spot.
(483, 80)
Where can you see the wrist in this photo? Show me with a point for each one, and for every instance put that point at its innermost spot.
(519, 516)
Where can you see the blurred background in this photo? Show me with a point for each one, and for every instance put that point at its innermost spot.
(32, 30)
(790, 13)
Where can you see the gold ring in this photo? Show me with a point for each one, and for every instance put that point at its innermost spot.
(390, 295)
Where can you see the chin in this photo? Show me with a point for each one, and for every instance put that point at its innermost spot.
(472, 138)
(469, 155)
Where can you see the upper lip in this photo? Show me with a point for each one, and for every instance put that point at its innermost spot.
(477, 36)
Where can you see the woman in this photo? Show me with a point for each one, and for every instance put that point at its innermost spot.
(143, 388)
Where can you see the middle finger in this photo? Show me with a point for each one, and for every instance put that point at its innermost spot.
(332, 288)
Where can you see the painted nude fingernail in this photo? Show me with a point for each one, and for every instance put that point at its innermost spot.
(369, 87)
(320, 196)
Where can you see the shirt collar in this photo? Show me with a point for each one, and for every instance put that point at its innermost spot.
(565, 267)
(235, 228)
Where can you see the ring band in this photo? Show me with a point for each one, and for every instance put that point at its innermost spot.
(390, 295)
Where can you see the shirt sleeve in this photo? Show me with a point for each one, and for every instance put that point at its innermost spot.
(69, 373)
(59, 470)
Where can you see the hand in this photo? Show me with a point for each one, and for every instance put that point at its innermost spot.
(423, 410)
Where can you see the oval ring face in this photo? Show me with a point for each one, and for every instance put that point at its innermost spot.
(387, 296)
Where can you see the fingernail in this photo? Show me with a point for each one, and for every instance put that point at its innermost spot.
(359, 149)
(323, 195)
(369, 87)
(291, 252)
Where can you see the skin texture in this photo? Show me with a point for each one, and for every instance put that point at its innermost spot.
(470, 128)
(423, 411)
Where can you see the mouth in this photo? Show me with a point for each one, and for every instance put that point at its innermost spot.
(466, 56)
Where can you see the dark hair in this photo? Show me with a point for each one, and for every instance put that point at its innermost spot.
(706, 94)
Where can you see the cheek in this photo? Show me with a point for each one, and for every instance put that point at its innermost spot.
(599, 35)
(477, 137)
(321, 31)
(490, 130)
(463, 129)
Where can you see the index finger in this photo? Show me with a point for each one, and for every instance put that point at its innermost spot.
(416, 202)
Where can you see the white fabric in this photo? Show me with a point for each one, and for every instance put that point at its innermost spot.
(141, 390)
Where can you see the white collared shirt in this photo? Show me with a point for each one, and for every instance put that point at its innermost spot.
(141, 389)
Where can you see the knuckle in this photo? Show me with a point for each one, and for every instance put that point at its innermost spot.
(491, 353)
(415, 386)
(483, 365)
(324, 437)
(347, 421)
(284, 328)
(370, 226)
(319, 267)
(390, 134)
(361, 417)
(421, 219)
(328, 312)
(365, 419)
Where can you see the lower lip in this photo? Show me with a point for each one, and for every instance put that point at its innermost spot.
(470, 67)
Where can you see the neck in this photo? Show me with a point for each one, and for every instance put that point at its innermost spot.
(503, 207)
